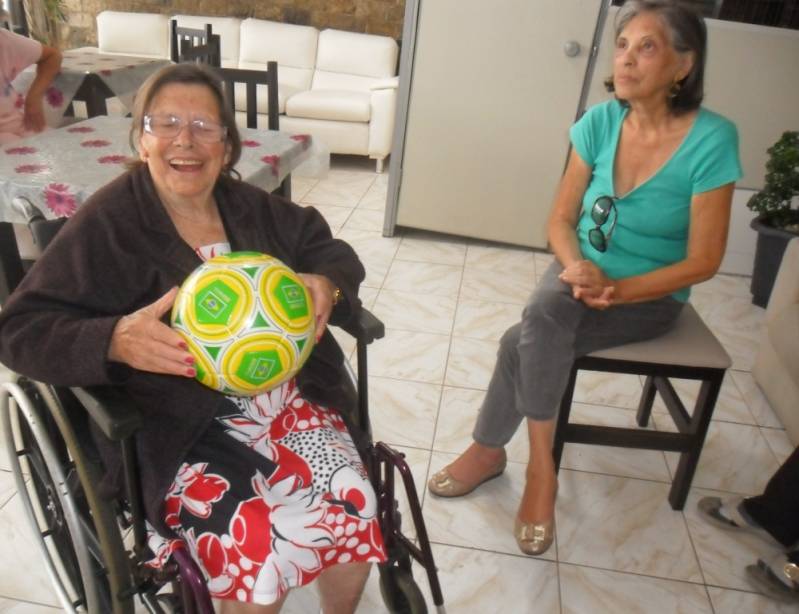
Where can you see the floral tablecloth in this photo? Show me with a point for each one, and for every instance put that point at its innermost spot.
(57, 170)
(121, 73)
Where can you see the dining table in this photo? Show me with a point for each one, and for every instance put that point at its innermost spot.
(57, 170)
(90, 76)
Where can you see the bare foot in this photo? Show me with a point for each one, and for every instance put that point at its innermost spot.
(476, 462)
(538, 500)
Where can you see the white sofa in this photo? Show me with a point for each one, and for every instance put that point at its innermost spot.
(341, 87)
(776, 368)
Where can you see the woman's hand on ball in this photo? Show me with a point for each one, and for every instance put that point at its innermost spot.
(142, 341)
(322, 293)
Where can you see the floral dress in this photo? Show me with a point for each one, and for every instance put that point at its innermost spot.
(272, 495)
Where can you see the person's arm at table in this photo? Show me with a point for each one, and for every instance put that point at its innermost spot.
(46, 69)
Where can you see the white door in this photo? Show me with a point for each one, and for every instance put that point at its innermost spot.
(492, 95)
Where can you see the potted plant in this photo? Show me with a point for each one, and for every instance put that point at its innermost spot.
(44, 20)
(777, 206)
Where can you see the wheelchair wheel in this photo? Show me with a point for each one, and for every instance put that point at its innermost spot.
(400, 592)
(77, 533)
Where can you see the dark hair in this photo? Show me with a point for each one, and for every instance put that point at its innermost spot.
(187, 74)
(687, 33)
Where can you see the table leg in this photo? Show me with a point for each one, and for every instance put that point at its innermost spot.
(10, 261)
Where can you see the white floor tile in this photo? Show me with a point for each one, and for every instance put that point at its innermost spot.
(419, 357)
(485, 320)
(625, 462)
(424, 248)
(423, 278)
(755, 399)
(779, 443)
(730, 405)
(426, 313)
(10, 606)
(403, 413)
(599, 591)
(624, 525)
(476, 582)
(735, 458)
(736, 602)
(471, 362)
(22, 574)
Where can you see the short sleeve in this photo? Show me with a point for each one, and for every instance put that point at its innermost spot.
(17, 53)
(591, 132)
(717, 162)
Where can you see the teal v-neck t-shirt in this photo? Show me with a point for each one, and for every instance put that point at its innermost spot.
(653, 219)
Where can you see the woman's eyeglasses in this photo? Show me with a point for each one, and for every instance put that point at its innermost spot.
(600, 213)
(169, 127)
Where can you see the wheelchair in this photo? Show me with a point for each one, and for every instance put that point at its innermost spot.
(94, 547)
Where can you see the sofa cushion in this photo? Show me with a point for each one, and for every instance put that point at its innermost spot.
(228, 29)
(292, 47)
(338, 105)
(365, 55)
(783, 332)
(142, 34)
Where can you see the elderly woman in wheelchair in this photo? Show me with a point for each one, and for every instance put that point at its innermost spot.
(266, 493)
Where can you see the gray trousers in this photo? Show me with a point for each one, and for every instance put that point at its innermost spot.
(535, 356)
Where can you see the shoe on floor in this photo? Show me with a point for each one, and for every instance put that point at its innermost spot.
(775, 578)
(730, 514)
(442, 484)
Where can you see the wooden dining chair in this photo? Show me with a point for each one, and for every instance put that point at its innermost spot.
(250, 80)
(195, 45)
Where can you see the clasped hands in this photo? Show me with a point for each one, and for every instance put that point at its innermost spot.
(142, 341)
(589, 284)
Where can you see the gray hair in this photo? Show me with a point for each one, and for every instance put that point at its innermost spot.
(687, 33)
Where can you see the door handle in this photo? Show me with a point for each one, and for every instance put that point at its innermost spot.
(572, 48)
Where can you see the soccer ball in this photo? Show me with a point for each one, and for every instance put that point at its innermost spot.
(248, 321)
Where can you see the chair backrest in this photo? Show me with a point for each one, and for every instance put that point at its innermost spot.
(353, 61)
(141, 34)
(195, 45)
(228, 29)
(250, 79)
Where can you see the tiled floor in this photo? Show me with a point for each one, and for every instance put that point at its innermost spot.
(620, 547)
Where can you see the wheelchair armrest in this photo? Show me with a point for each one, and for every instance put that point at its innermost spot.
(112, 409)
(365, 327)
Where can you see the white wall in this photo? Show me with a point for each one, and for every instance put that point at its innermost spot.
(740, 252)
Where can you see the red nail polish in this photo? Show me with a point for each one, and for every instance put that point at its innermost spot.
(191, 372)
(189, 360)
(182, 345)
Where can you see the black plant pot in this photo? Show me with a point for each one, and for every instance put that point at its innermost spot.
(771, 244)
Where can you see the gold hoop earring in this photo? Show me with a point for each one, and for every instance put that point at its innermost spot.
(675, 89)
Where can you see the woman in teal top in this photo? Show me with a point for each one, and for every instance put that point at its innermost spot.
(641, 214)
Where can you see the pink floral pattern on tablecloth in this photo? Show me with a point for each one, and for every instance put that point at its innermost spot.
(80, 129)
(112, 159)
(19, 102)
(305, 139)
(21, 151)
(29, 169)
(95, 143)
(105, 72)
(273, 160)
(54, 96)
(59, 199)
(250, 143)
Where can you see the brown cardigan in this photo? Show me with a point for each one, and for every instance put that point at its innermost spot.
(121, 252)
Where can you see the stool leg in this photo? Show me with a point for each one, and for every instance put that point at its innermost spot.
(646, 402)
(700, 421)
(563, 418)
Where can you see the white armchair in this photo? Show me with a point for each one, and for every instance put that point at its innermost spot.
(776, 368)
(140, 34)
(352, 100)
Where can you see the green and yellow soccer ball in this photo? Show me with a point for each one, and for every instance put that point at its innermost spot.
(248, 320)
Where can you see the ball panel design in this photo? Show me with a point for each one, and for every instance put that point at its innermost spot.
(289, 302)
(248, 320)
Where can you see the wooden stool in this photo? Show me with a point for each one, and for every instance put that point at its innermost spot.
(688, 351)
